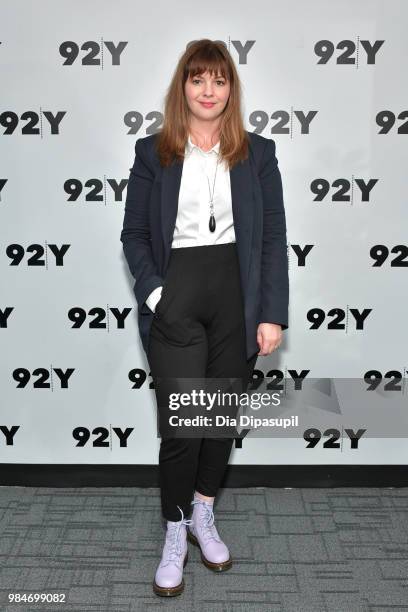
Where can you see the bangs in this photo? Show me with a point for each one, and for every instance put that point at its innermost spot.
(207, 60)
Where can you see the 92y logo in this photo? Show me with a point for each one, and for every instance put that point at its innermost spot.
(49, 122)
(351, 51)
(38, 255)
(95, 190)
(101, 317)
(313, 436)
(317, 316)
(83, 435)
(284, 122)
(345, 191)
(42, 378)
(94, 53)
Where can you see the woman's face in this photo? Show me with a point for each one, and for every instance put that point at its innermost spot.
(213, 90)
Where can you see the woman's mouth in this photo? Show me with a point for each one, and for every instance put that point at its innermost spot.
(207, 104)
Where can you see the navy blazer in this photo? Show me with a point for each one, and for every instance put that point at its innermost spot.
(259, 223)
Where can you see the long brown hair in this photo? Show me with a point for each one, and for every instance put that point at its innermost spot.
(200, 56)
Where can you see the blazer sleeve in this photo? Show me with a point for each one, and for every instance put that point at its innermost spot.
(135, 235)
(274, 267)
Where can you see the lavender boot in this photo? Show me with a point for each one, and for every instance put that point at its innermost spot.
(168, 580)
(203, 533)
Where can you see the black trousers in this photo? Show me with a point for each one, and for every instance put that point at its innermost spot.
(198, 331)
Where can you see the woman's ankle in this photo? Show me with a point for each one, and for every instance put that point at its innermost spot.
(205, 498)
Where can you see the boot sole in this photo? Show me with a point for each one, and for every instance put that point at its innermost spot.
(215, 567)
(170, 591)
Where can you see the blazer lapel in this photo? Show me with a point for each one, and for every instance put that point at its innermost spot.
(171, 180)
(242, 208)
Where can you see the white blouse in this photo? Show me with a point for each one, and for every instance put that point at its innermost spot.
(193, 215)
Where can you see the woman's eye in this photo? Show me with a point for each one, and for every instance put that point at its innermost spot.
(199, 81)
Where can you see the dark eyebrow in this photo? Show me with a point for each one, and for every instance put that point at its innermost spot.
(216, 77)
(198, 76)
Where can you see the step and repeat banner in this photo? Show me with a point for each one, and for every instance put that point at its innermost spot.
(80, 83)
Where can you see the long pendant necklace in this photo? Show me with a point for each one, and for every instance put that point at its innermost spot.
(211, 223)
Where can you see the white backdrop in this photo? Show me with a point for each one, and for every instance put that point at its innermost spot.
(80, 83)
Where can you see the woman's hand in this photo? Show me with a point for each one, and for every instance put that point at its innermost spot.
(269, 337)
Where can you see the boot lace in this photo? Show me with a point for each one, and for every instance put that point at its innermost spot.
(173, 541)
(207, 526)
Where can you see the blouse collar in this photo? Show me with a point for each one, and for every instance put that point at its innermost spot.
(190, 146)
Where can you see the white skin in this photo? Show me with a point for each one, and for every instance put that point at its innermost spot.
(204, 127)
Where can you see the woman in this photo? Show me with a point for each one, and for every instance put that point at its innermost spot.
(204, 235)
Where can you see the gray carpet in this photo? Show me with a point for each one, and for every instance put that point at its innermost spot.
(339, 550)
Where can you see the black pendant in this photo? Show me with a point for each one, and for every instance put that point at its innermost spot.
(212, 223)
